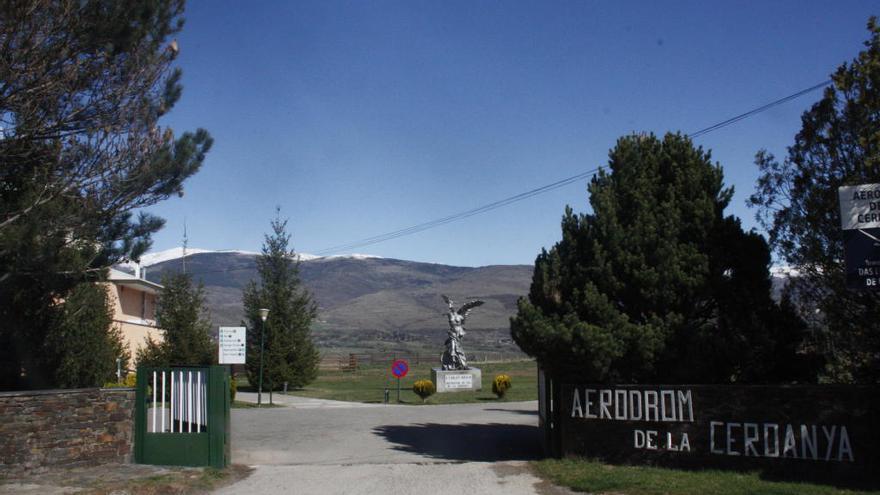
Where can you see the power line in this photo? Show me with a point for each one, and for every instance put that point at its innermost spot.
(549, 187)
(758, 110)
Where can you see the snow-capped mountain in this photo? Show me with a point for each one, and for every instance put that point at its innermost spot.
(155, 258)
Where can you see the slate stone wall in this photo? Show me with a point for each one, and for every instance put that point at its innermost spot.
(68, 428)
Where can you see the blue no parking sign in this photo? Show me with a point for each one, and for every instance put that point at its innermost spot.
(399, 368)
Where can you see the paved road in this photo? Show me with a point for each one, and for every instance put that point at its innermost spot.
(326, 447)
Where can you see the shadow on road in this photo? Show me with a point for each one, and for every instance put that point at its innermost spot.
(527, 412)
(467, 442)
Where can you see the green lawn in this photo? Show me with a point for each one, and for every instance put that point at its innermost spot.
(596, 477)
(368, 384)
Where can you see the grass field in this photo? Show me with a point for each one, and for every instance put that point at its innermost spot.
(368, 384)
(596, 477)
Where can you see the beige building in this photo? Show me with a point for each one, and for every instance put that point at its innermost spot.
(134, 308)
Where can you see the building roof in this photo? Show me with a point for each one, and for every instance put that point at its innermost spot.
(119, 277)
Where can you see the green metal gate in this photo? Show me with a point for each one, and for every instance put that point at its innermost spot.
(182, 416)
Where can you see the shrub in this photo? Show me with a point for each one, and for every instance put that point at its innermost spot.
(424, 389)
(500, 385)
(130, 381)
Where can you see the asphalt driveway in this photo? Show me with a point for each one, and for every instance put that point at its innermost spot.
(316, 446)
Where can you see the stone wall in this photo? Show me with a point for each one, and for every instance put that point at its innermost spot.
(65, 428)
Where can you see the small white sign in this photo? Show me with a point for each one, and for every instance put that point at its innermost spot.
(459, 381)
(859, 206)
(232, 345)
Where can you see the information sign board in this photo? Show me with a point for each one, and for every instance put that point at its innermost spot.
(860, 221)
(232, 346)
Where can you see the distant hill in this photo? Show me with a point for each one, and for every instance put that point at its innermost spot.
(369, 302)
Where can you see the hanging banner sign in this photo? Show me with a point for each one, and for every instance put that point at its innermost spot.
(232, 345)
(860, 221)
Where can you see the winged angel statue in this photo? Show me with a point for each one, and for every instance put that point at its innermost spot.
(454, 358)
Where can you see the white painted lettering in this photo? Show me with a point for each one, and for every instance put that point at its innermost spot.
(730, 438)
(635, 411)
(845, 447)
(620, 404)
(589, 403)
(576, 411)
(808, 442)
(685, 398)
(638, 439)
(685, 443)
(664, 394)
(829, 437)
(789, 443)
(750, 434)
(651, 439)
(712, 426)
(651, 405)
(767, 428)
(670, 445)
(604, 402)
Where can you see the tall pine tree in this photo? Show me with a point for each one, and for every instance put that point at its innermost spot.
(182, 315)
(290, 355)
(86, 341)
(656, 284)
(83, 87)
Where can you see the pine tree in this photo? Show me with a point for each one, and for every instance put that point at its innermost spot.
(182, 316)
(290, 355)
(657, 285)
(838, 145)
(85, 339)
(83, 85)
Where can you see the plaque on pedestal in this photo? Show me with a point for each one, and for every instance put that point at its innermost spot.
(457, 380)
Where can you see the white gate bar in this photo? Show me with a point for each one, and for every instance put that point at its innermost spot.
(163, 402)
(199, 400)
(181, 404)
(205, 402)
(155, 410)
(171, 408)
(189, 402)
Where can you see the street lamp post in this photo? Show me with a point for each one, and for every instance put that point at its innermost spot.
(263, 314)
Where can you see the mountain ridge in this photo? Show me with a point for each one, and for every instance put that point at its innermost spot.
(367, 301)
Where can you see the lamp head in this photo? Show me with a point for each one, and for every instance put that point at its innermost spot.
(264, 313)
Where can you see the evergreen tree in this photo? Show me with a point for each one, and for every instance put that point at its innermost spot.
(86, 342)
(83, 85)
(182, 316)
(290, 355)
(657, 285)
(838, 145)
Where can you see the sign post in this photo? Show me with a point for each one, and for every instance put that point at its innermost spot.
(232, 346)
(399, 368)
(860, 221)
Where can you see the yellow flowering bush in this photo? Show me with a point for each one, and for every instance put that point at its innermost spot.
(500, 385)
(424, 389)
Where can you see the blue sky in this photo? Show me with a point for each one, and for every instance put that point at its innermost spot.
(360, 118)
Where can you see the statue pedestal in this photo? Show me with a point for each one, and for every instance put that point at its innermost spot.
(457, 380)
